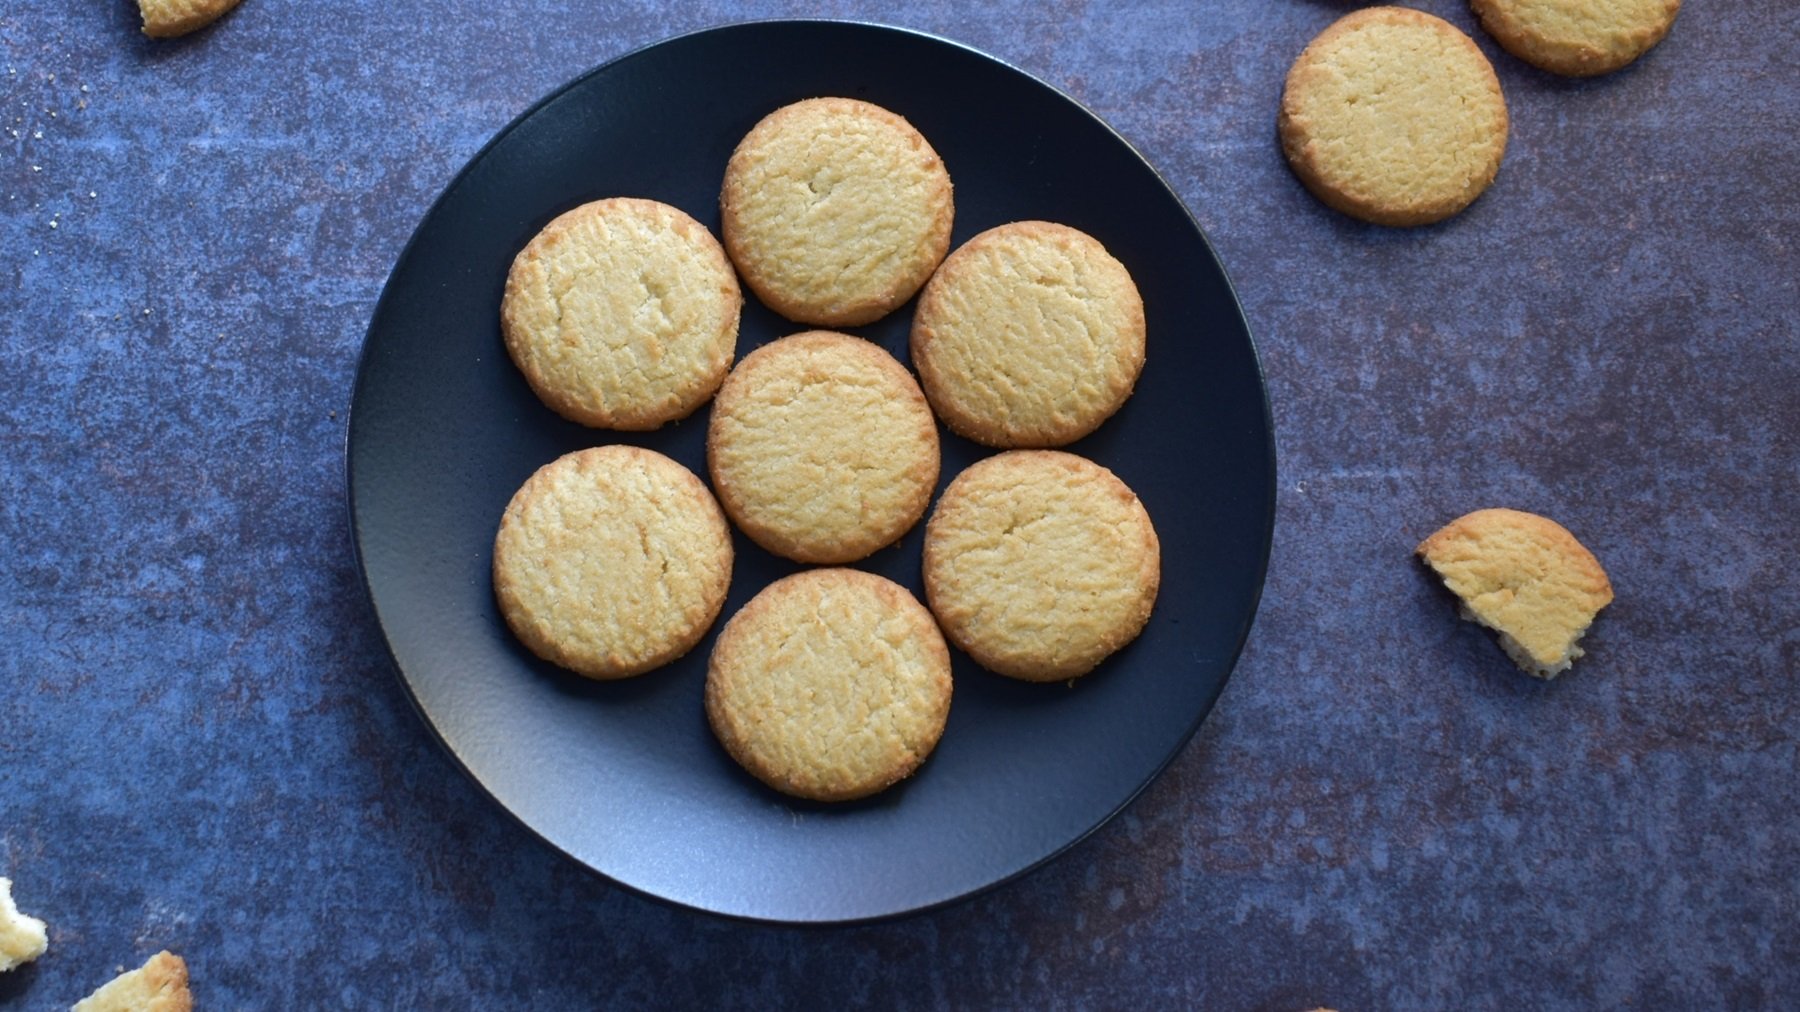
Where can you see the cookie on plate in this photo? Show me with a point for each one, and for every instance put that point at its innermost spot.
(1393, 116)
(160, 985)
(622, 314)
(23, 938)
(822, 447)
(166, 19)
(1040, 564)
(1030, 335)
(1579, 38)
(836, 211)
(1525, 577)
(831, 684)
(612, 561)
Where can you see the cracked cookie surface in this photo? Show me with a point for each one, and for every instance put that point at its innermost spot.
(1040, 564)
(1393, 116)
(831, 684)
(612, 561)
(822, 447)
(622, 314)
(1030, 335)
(836, 211)
(1577, 38)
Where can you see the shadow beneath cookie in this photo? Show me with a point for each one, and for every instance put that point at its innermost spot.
(16, 983)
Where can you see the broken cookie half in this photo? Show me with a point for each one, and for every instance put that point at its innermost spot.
(1525, 577)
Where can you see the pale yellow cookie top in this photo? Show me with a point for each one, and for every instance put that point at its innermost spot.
(822, 447)
(1030, 335)
(165, 19)
(1525, 577)
(1579, 38)
(23, 938)
(160, 985)
(831, 684)
(612, 561)
(622, 314)
(1393, 116)
(1040, 564)
(836, 211)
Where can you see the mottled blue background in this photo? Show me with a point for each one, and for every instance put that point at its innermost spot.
(203, 746)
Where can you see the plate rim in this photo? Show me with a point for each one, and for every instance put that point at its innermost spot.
(374, 609)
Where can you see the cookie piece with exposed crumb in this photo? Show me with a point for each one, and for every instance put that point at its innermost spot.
(22, 938)
(1578, 38)
(831, 684)
(160, 985)
(836, 211)
(1525, 577)
(1393, 116)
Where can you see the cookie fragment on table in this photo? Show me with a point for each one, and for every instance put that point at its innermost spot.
(22, 938)
(167, 19)
(160, 985)
(1525, 577)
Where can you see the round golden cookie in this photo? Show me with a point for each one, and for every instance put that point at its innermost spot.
(612, 561)
(831, 684)
(1393, 116)
(1040, 564)
(822, 447)
(1579, 38)
(836, 211)
(1030, 335)
(622, 314)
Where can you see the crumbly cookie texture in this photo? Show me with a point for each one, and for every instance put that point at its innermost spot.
(822, 447)
(1393, 116)
(836, 211)
(831, 684)
(1525, 577)
(622, 314)
(166, 19)
(1579, 38)
(612, 561)
(160, 985)
(22, 938)
(1040, 564)
(1030, 335)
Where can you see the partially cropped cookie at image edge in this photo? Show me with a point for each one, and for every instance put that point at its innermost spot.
(1577, 38)
(1041, 564)
(1393, 116)
(167, 19)
(612, 561)
(160, 985)
(830, 684)
(23, 937)
(1030, 335)
(835, 211)
(1525, 577)
(822, 447)
(622, 314)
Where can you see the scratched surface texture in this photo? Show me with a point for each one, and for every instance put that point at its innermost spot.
(203, 745)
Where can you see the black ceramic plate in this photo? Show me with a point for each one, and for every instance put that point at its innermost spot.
(625, 777)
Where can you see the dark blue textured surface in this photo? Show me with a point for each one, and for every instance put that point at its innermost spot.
(202, 745)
